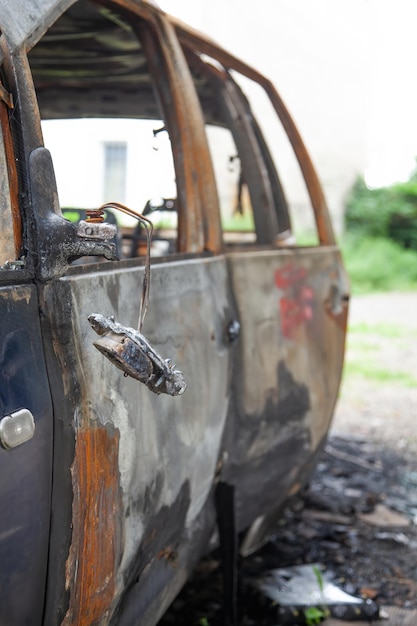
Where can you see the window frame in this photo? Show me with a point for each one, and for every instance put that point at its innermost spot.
(269, 206)
(199, 227)
(192, 40)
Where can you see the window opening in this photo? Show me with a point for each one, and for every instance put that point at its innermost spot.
(115, 168)
(100, 121)
(235, 203)
(303, 224)
(259, 203)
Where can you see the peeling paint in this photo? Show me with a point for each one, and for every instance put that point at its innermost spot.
(18, 294)
(96, 539)
(295, 304)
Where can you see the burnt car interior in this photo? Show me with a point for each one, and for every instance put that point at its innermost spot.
(94, 63)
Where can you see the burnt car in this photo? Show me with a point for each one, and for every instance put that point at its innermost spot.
(156, 389)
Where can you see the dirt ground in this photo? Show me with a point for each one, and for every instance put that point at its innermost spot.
(384, 412)
(357, 519)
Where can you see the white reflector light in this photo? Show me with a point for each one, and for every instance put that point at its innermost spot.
(16, 428)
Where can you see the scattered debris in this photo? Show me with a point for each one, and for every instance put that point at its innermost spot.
(397, 537)
(325, 524)
(302, 593)
(384, 516)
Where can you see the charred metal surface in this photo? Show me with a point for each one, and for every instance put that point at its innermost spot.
(129, 350)
(162, 442)
(264, 479)
(158, 561)
(198, 229)
(86, 531)
(261, 528)
(282, 403)
(58, 239)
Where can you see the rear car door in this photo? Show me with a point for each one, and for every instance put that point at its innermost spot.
(288, 284)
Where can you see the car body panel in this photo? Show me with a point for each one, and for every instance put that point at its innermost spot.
(140, 451)
(25, 470)
(123, 481)
(292, 328)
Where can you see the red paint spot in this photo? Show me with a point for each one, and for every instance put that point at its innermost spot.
(288, 275)
(296, 303)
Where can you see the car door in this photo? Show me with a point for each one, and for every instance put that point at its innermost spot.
(26, 425)
(133, 471)
(291, 297)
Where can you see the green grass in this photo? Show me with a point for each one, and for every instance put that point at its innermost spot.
(366, 354)
(367, 369)
(240, 223)
(383, 329)
(378, 265)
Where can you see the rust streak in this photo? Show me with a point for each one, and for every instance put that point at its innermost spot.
(12, 173)
(90, 568)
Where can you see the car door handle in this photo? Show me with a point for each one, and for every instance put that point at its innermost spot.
(16, 428)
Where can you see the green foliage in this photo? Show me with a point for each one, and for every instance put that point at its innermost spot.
(378, 264)
(313, 615)
(316, 614)
(389, 212)
(238, 222)
(380, 241)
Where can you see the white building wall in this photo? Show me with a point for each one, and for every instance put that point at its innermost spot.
(77, 148)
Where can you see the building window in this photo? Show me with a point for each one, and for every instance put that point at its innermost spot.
(115, 160)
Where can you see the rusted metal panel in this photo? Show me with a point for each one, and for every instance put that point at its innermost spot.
(96, 524)
(162, 443)
(190, 146)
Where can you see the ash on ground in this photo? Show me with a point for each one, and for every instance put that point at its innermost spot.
(357, 519)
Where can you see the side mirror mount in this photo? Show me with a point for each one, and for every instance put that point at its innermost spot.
(59, 241)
